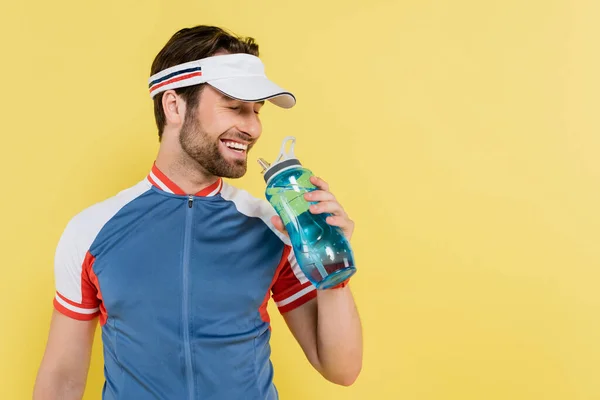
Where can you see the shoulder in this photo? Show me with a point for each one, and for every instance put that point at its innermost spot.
(83, 227)
(246, 203)
(252, 207)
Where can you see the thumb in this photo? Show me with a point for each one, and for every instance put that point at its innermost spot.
(278, 223)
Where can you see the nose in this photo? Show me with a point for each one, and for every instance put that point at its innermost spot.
(250, 124)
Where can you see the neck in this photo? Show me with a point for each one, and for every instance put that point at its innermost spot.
(184, 171)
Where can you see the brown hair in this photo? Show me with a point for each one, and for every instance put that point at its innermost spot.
(191, 44)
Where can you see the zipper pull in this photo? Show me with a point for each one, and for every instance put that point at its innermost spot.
(190, 200)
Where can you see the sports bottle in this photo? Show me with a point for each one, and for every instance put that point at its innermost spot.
(323, 253)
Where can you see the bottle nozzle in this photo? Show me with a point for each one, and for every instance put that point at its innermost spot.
(265, 165)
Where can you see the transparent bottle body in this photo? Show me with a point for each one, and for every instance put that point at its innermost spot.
(323, 253)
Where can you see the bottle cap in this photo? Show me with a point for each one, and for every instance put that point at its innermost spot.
(283, 161)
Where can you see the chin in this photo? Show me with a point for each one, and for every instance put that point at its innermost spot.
(230, 170)
(235, 174)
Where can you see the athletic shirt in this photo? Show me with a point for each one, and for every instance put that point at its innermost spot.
(180, 284)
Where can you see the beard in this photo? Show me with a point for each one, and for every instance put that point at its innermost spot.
(199, 146)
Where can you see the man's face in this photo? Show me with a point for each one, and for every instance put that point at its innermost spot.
(219, 133)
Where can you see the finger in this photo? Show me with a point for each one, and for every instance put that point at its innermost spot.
(278, 223)
(320, 183)
(319, 195)
(336, 220)
(330, 207)
(345, 224)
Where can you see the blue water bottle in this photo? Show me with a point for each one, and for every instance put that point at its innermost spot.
(322, 251)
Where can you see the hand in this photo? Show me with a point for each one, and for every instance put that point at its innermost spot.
(326, 204)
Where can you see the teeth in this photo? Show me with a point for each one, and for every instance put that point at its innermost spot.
(235, 145)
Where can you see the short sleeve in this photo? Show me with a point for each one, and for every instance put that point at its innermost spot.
(291, 288)
(76, 285)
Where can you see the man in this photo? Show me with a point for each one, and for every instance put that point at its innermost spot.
(179, 268)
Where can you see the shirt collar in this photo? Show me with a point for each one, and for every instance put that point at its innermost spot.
(158, 179)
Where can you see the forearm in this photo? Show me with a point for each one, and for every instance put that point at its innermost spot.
(53, 385)
(339, 336)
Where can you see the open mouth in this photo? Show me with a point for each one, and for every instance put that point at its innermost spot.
(236, 148)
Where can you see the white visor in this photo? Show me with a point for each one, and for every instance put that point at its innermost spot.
(239, 76)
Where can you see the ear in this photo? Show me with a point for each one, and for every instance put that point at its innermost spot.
(173, 107)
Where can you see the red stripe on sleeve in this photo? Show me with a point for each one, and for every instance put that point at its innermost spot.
(263, 307)
(72, 314)
(288, 285)
(93, 279)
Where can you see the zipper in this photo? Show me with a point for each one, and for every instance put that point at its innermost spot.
(185, 306)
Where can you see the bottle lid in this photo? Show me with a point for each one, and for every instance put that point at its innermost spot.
(284, 160)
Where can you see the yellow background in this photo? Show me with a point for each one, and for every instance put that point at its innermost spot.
(462, 136)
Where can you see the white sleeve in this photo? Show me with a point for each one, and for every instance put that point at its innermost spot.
(76, 284)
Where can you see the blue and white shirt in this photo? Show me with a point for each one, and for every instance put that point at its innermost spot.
(180, 284)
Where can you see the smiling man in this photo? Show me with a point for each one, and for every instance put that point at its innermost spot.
(179, 268)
